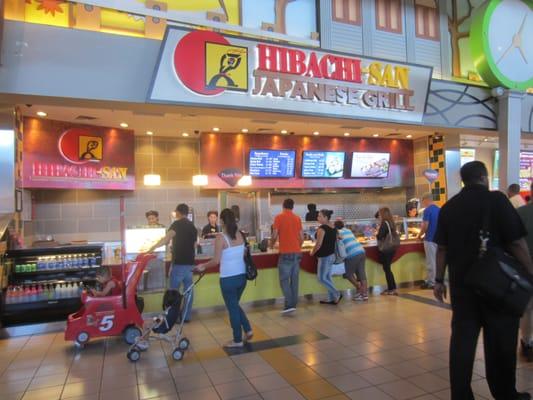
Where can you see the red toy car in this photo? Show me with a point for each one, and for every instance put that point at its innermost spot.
(110, 315)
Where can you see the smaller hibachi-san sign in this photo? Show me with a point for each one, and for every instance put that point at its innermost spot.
(59, 155)
(208, 68)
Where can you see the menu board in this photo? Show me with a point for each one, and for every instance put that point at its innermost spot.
(322, 164)
(526, 169)
(467, 155)
(272, 163)
(370, 165)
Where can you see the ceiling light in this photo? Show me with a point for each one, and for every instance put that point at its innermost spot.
(485, 140)
(244, 130)
(152, 180)
(123, 125)
(199, 180)
(185, 134)
(41, 114)
(246, 180)
(216, 129)
(149, 133)
(375, 134)
(346, 133)
(316, 133)
(409, 136)
(283, 131)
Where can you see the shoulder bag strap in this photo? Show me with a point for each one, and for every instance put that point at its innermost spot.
(484, 233)
(388, 227)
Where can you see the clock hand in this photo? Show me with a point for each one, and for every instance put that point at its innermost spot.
(520, 31)
(511, 47)
(522, 53)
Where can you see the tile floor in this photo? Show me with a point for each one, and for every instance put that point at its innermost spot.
(388, 348)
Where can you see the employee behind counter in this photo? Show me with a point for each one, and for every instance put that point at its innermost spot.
(211, 229)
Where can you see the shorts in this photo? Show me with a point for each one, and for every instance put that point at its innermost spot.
(356, 265)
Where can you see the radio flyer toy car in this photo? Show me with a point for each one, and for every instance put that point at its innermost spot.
(111, 315)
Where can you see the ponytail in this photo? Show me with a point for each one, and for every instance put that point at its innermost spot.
(230, 224)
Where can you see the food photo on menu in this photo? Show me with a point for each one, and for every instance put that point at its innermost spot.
(370, 165)
(335, 164)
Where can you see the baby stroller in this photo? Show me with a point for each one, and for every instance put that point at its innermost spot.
(174, 306)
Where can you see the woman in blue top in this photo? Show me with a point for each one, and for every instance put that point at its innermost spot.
(354, 263)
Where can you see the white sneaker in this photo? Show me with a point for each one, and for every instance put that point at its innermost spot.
(288, 310)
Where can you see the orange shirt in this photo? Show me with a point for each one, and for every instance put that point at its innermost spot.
(289, 226)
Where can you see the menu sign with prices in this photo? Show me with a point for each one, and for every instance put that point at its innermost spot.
(526, 169)
(323, 164)
(272, 163)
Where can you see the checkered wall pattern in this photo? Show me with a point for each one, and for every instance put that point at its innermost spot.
(437, 162)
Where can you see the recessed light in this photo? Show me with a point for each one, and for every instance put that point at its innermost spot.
(185, 134)
(346, 133)
(485, 140)
(375, 134)
(123, 125)
(316, 133)
(244, 130)
(150, 133)
(41, 114)
(409, 136)
(283, 131)
(216, 129)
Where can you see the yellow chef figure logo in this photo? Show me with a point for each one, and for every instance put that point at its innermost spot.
(226, 67)
(90, 148)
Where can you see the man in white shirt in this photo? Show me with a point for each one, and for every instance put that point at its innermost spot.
(513, 192)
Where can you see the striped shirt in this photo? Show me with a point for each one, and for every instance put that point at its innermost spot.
(353, 247)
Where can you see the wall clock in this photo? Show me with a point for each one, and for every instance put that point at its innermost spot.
(501, 41)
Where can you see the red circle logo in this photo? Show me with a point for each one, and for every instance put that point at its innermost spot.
(190, 60)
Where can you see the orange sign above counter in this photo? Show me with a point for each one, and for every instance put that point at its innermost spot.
(59, 155)
(211, 69)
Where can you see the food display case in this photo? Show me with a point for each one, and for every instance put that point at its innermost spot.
(46, 282)
(365, 230)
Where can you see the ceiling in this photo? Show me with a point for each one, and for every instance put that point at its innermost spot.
(174, 121)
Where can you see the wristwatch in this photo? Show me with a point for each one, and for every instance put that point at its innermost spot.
(439, 280)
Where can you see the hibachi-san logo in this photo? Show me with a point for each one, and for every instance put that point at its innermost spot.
(79, 146)
(206, 63)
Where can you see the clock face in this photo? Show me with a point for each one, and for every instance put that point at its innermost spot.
(510, 34)
(501, 42)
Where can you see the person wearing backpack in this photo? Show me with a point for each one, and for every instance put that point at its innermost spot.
(230, 247)
(324, 250)
(388, 240)
(354, 263)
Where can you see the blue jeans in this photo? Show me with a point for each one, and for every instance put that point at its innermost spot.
(232, 288)
(324, 276)
(289, 268)
(182, 274)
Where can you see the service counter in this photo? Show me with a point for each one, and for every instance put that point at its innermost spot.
(408, 266)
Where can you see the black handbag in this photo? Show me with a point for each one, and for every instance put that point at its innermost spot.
(251, 269)
(498, 277)
(389, 243)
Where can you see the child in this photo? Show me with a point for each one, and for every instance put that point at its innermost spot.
(110, 285)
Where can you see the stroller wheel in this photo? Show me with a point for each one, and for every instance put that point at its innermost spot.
(82, 339)
(184, 344)
(134, 355)
(177, 354)
(131, 333)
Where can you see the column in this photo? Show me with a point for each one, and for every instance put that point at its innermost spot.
(509, 127)
(453, 164)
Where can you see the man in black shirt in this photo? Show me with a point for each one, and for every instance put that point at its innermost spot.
(211, 229)
(183, 235)
(458, 239)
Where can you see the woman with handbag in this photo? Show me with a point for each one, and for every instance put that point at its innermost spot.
(388, 241)
(230, 246)
(324, 250)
